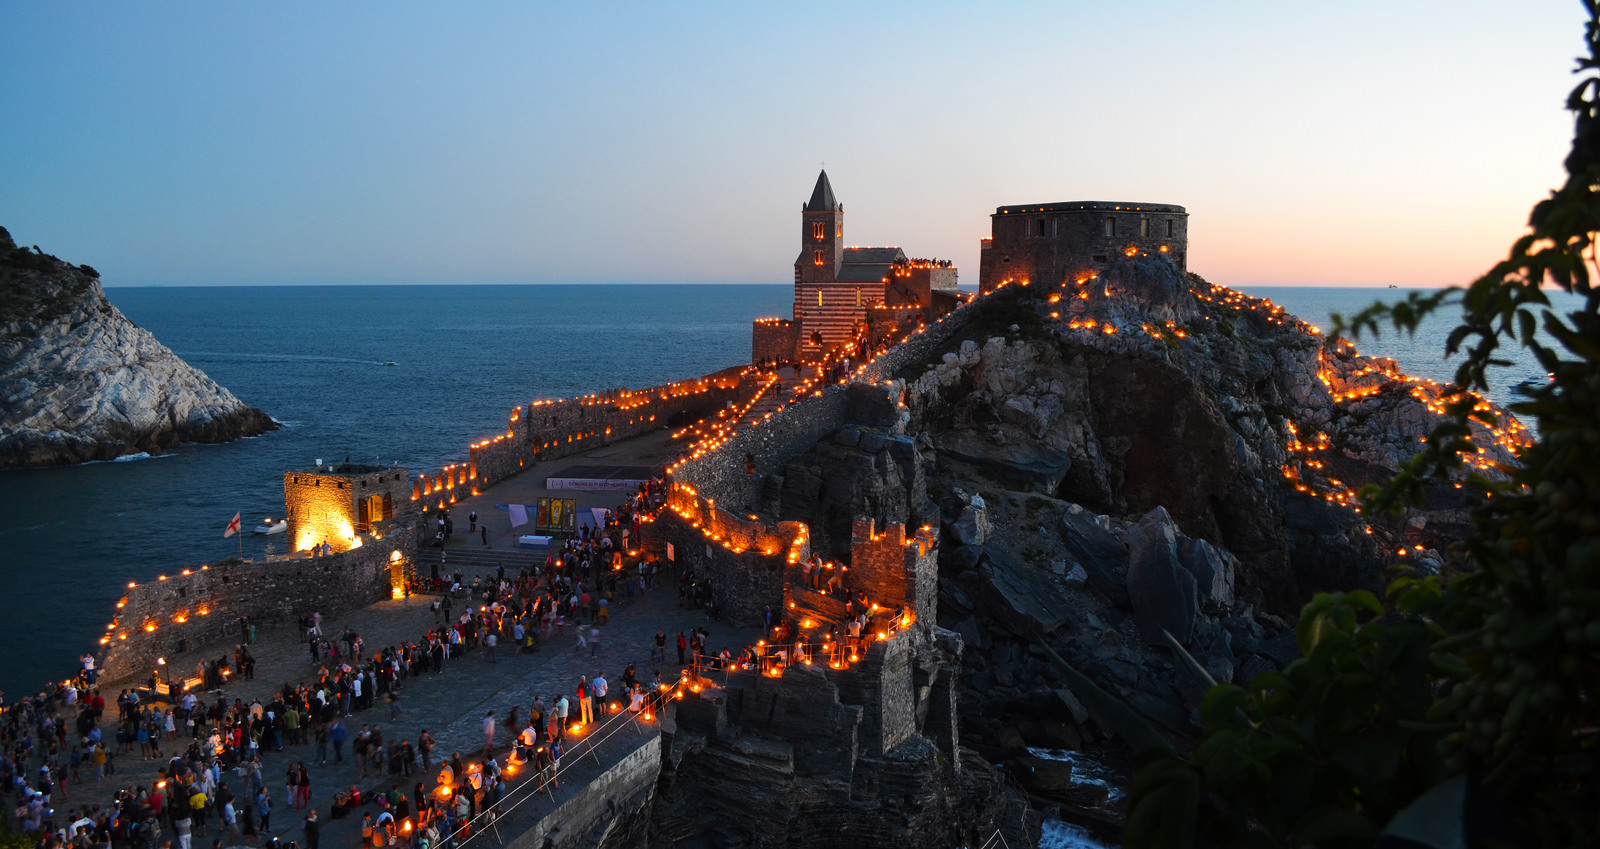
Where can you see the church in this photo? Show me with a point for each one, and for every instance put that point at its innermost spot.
(846, 297)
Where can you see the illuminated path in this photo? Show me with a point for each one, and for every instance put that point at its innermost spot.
(450, 705)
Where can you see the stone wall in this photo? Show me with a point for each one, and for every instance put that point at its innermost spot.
(774, 339)
(332, 506)
(721, 473)
(1049, 243)
(597, 813)
(548, 430)
(195, 614)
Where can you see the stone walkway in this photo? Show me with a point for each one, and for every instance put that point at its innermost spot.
(450, 705)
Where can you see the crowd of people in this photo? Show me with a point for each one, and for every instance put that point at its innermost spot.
(213, 752)
(57, 740)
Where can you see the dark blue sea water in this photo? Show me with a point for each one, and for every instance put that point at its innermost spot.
(312, 358)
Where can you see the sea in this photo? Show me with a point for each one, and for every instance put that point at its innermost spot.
(317, 360)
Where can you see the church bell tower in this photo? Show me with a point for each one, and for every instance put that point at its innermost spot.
(821, 236)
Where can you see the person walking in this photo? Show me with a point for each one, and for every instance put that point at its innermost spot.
(488, 734)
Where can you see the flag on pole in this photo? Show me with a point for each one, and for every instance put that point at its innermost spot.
(233, 527)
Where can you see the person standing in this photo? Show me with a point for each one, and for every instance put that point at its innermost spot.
(264, 809)
(682, 645)
(303, 785)
(425, 744)
(484, 531)
(599, 687)
(488, 734)
(585, 707)
(472, 521)
(311, 829)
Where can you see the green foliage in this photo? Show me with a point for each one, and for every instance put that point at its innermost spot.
(1489, 676)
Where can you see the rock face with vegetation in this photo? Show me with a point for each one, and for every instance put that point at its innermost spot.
(81, 382)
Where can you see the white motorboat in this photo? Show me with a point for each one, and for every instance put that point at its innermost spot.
(269, 526)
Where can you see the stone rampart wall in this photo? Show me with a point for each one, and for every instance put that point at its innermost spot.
(195, 614)
(722, 473)
(602, 806)
(774, 339)
(550, 430)
(747, 560)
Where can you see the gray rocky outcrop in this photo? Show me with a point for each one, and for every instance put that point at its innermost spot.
(81, 382)
(1165, 595)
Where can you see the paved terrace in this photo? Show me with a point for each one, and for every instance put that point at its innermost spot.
(451, 705)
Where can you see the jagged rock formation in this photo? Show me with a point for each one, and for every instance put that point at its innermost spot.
(81, 382)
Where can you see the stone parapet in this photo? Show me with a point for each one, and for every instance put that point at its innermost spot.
(182, 618)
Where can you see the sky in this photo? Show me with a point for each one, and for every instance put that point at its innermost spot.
(1354, 143)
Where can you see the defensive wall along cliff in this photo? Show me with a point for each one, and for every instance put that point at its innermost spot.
(550, 430)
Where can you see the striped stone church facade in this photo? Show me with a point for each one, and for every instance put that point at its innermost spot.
(838, 288)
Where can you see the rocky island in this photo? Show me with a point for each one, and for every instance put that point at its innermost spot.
(81, 382)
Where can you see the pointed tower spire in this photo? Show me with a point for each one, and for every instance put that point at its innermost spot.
(822, 199)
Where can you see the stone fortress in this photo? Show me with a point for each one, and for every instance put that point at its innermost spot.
(1055, 242)
(848, 743)
(844, 294)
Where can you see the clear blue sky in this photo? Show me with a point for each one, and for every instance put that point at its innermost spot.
(251, 143)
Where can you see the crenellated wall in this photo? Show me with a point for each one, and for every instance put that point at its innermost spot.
(548, 430)
(722, 473)
(195, 614)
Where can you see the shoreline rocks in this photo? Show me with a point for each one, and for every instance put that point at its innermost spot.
(81, 382)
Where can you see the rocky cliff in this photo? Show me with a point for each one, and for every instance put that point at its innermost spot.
(1122, 455)
(81, 382)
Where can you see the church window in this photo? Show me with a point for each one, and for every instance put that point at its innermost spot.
(816, 257)
(1041, 228)
(858, 297)
(1111, 226)
(1144, 227)
(1055, 226)
(819, 297)
(838, 230)
(816, 229)
(1169, 228)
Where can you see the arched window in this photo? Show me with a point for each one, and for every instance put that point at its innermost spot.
(816, 257)
(816, 229)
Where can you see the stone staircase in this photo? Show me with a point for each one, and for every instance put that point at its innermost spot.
(780, 392)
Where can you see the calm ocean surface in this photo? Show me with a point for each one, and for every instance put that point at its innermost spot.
(312, 357)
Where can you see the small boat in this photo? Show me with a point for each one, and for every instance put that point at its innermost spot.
(390, 362)
(268, 526)
(1392, 286)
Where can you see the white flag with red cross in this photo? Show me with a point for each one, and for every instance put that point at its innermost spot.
(233, 527)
